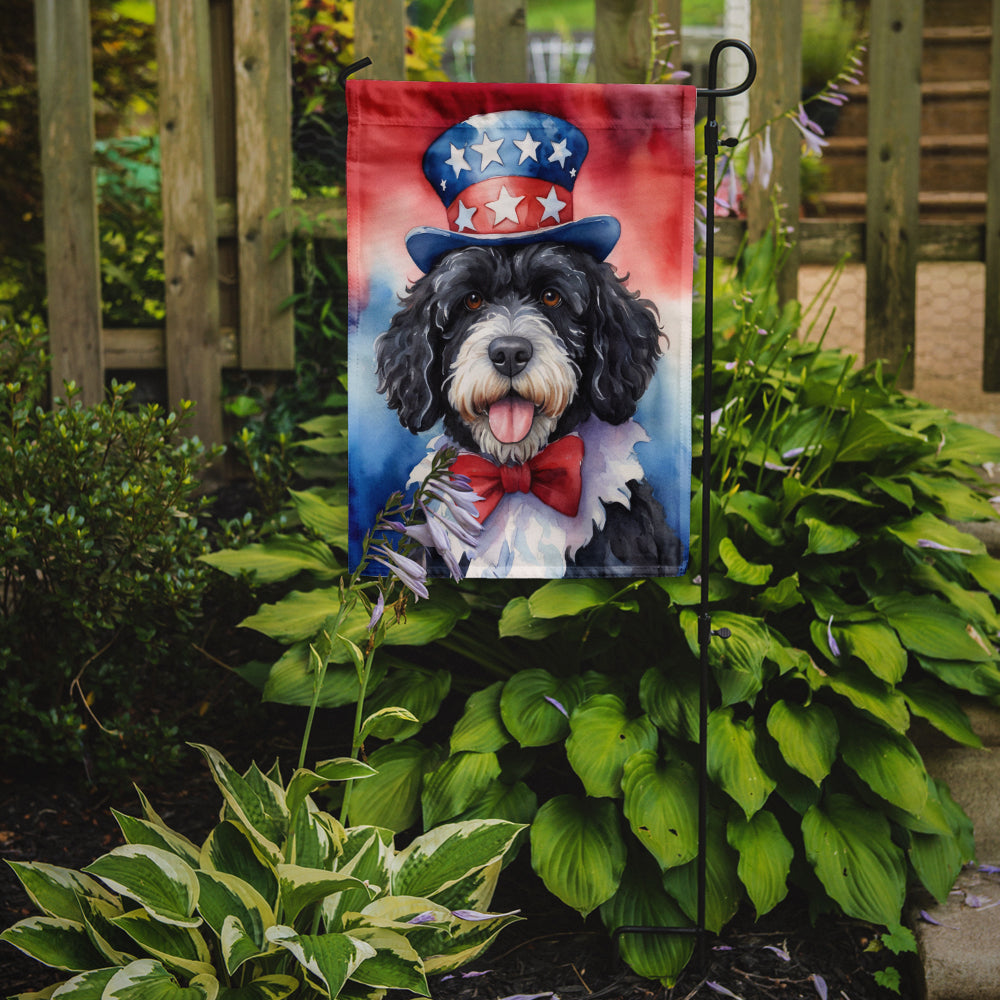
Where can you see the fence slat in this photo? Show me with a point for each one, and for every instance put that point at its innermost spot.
(621, 40)
(501, 41)
(893, 184)
(261, 58)
(190, 253)
(72, 257)
(776, 36)
(380, 34)
(991, 332)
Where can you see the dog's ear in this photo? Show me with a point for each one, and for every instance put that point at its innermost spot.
(625, 345)
(406, 360)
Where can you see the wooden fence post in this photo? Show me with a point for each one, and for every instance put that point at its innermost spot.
(776, 35)
(501, 41)
(892, 214)
(262, 61)
(72, 254)
(622, 40)
(380, 34)
(991, 332)
(190, 251)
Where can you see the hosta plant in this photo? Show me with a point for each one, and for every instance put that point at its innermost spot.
(279, 900)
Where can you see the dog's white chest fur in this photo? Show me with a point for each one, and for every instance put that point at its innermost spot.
(523, 537)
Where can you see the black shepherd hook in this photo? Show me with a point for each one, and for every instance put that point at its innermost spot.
(705, 630)
(353, 68)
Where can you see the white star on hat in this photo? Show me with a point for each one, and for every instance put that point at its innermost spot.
(465, 214)
(457, 160)
(488, 150)
(505, 207)
(552, 205)
(559, 152)
(528, 147)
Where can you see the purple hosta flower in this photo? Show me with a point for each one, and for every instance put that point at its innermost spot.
(719, 988)
(727, 198)
(760, 165)
(834, 648)
(427, 917)
(820, 984)
(558, 705)
(780, 952)
(410, 573)
(531, 996)
(475, 915)
(433, 537)
(927, 918)
(377, 612)
(812, 134)
(465, 975)
(927, 543)
(989, 869)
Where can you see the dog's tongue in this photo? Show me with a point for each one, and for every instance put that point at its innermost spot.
(510, 419)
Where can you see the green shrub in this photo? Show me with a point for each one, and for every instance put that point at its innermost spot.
(101, 584)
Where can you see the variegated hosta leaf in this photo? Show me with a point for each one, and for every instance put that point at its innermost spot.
(467, 940)
(116, 947)
(147, 979)
(850, 847)
(661, 805)
(535, 706)
(158, 880)
(256, 801)
(177, 947)
(765, 858)
(578, 851)
(732, 760)
(441, 857)
(304, 782)
(225, 897)
(230, 849)
(481, 727)
(315, 838)
(301, 887)
(642, 902)
(602, 737)
(807, 736)
(141, 831)
(456, 784)
(395, 964)
(476, 890)
(54, 941)
(274, 987)
(367, 853)
(329, 959)
(86, 986)
(56, 891)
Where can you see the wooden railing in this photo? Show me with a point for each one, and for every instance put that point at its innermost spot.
(226, 161)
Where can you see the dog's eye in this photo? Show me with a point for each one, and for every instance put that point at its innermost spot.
(550, 297)
(473, 301)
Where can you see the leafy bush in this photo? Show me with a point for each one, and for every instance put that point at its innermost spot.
(101, 587)
(279, 899)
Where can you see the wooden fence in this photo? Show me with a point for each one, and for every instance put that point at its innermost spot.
(226, 161)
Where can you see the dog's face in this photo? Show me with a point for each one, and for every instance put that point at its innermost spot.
(516, 346)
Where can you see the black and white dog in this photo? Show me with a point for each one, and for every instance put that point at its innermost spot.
(534, 357)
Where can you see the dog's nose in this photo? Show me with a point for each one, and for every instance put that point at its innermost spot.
(510, 355)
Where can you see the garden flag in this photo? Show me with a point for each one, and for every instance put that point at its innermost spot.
(520, 273)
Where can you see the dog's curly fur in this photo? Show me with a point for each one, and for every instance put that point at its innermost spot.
(547, 323)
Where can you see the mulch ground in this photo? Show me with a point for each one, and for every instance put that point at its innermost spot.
(551, 952)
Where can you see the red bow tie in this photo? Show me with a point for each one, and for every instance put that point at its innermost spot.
(553, 475)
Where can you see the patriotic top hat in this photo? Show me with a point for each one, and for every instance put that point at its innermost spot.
(506, 179)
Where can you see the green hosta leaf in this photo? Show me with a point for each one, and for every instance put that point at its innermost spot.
(180, 948)
(578, 851)
(141, 831)
(864, 691)
(391, 798)
(683, 591)
(602, 738)
(870, 435)
(758, 511)
(301, 887)
(231, 850)
(965, 443)
(828, 539)
(975, 605)
(56, 891)
(957, 501)
(330, 959)
(327, 520)
(732, 760)
(876, 646)
(723, 889)
(807, 736)
(661, 799)
(976, 678)
(671, 699)
(443, 856)
(893, 488)
(275, 987)
(738, 661)
(739, 569)
(535, 706)
(481, 728)
(783, 595)
(226, 898)
(260, 809)
(456, 784)
(928, 528)
(147, 979)
(931, 628)
(765, 858)
(159, 881)
(54, 941)
(516, 803)
(292, 680)
(641, 901)
(888, 763)
(418, 691)
(850, 848)
(986, 571)
(517, 620)
(279, 558)
(561, 598)
(941, 709)
(395, 964)
(937, 858)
